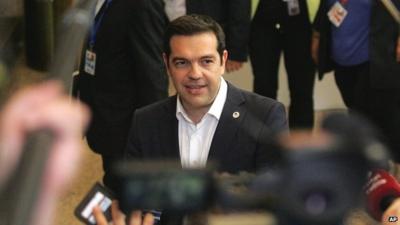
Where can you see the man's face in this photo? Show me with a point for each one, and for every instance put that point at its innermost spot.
(195, 68)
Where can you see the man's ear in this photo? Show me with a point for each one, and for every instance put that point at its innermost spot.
(225, 56)
(224, 59)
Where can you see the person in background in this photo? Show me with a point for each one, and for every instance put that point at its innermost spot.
(359, 41)
(121, 70)
(284, 26)
(232, 15)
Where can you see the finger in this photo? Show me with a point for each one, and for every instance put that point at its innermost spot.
(66, 144)
(239, 65)
(116, 214)
(314, 50)
(99, 216)
(136, 218)
(233, 66)
(148, 219)
(14, 117)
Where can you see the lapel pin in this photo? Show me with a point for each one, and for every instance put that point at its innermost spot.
(236, 115)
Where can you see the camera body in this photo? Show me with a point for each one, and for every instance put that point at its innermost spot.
(163, 185)
(313, 184)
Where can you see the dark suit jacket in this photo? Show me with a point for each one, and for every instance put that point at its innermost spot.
(233, 16)
(130, 72)
(239, 144)
(384, 68)
(323, 26)
(382, 48)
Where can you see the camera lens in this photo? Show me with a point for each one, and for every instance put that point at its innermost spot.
(316, 203)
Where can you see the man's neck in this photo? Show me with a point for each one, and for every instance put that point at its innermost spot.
(196, 114)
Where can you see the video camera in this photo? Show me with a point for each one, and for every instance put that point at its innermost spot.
(313, 185)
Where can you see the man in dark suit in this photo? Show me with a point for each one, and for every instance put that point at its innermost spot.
(232, 15)
(237, 124)
(125, 71)
(284, 27)
(209, 119)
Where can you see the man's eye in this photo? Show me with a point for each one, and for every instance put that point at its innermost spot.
(207, 61)
(180, 63)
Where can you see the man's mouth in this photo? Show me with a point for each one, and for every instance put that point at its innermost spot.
(195, 88)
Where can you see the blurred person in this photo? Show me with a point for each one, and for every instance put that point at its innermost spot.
(209, 118)
(232, 15)
(284, 26)
(359, 41)
(38, 107)
(121, 70)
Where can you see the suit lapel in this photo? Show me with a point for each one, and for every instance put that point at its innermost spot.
(230, 120)
(169, 131)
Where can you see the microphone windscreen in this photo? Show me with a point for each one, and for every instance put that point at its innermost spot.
(380, 191)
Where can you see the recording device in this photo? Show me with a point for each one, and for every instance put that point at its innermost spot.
(97, 196)
(163, 185)
(315, 185)
(381, 190)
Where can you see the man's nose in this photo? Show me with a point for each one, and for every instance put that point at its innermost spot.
(195, 72)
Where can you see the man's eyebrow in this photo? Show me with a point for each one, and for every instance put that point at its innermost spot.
(207, 56)
(177, 58)
(174, 59)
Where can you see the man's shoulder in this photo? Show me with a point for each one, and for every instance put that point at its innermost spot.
(254, 99)
(261, 108)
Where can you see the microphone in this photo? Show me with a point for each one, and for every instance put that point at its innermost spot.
(381, 190)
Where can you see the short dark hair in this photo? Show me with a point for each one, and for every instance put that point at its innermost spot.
(194, 24)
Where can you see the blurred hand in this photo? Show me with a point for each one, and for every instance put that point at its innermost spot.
(39, 107)
(118, 218)
(305, 139)
(315, 46)
(391, 213)
(232, 65)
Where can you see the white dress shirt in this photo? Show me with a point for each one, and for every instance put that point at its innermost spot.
(195, 139)
(175, 8)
